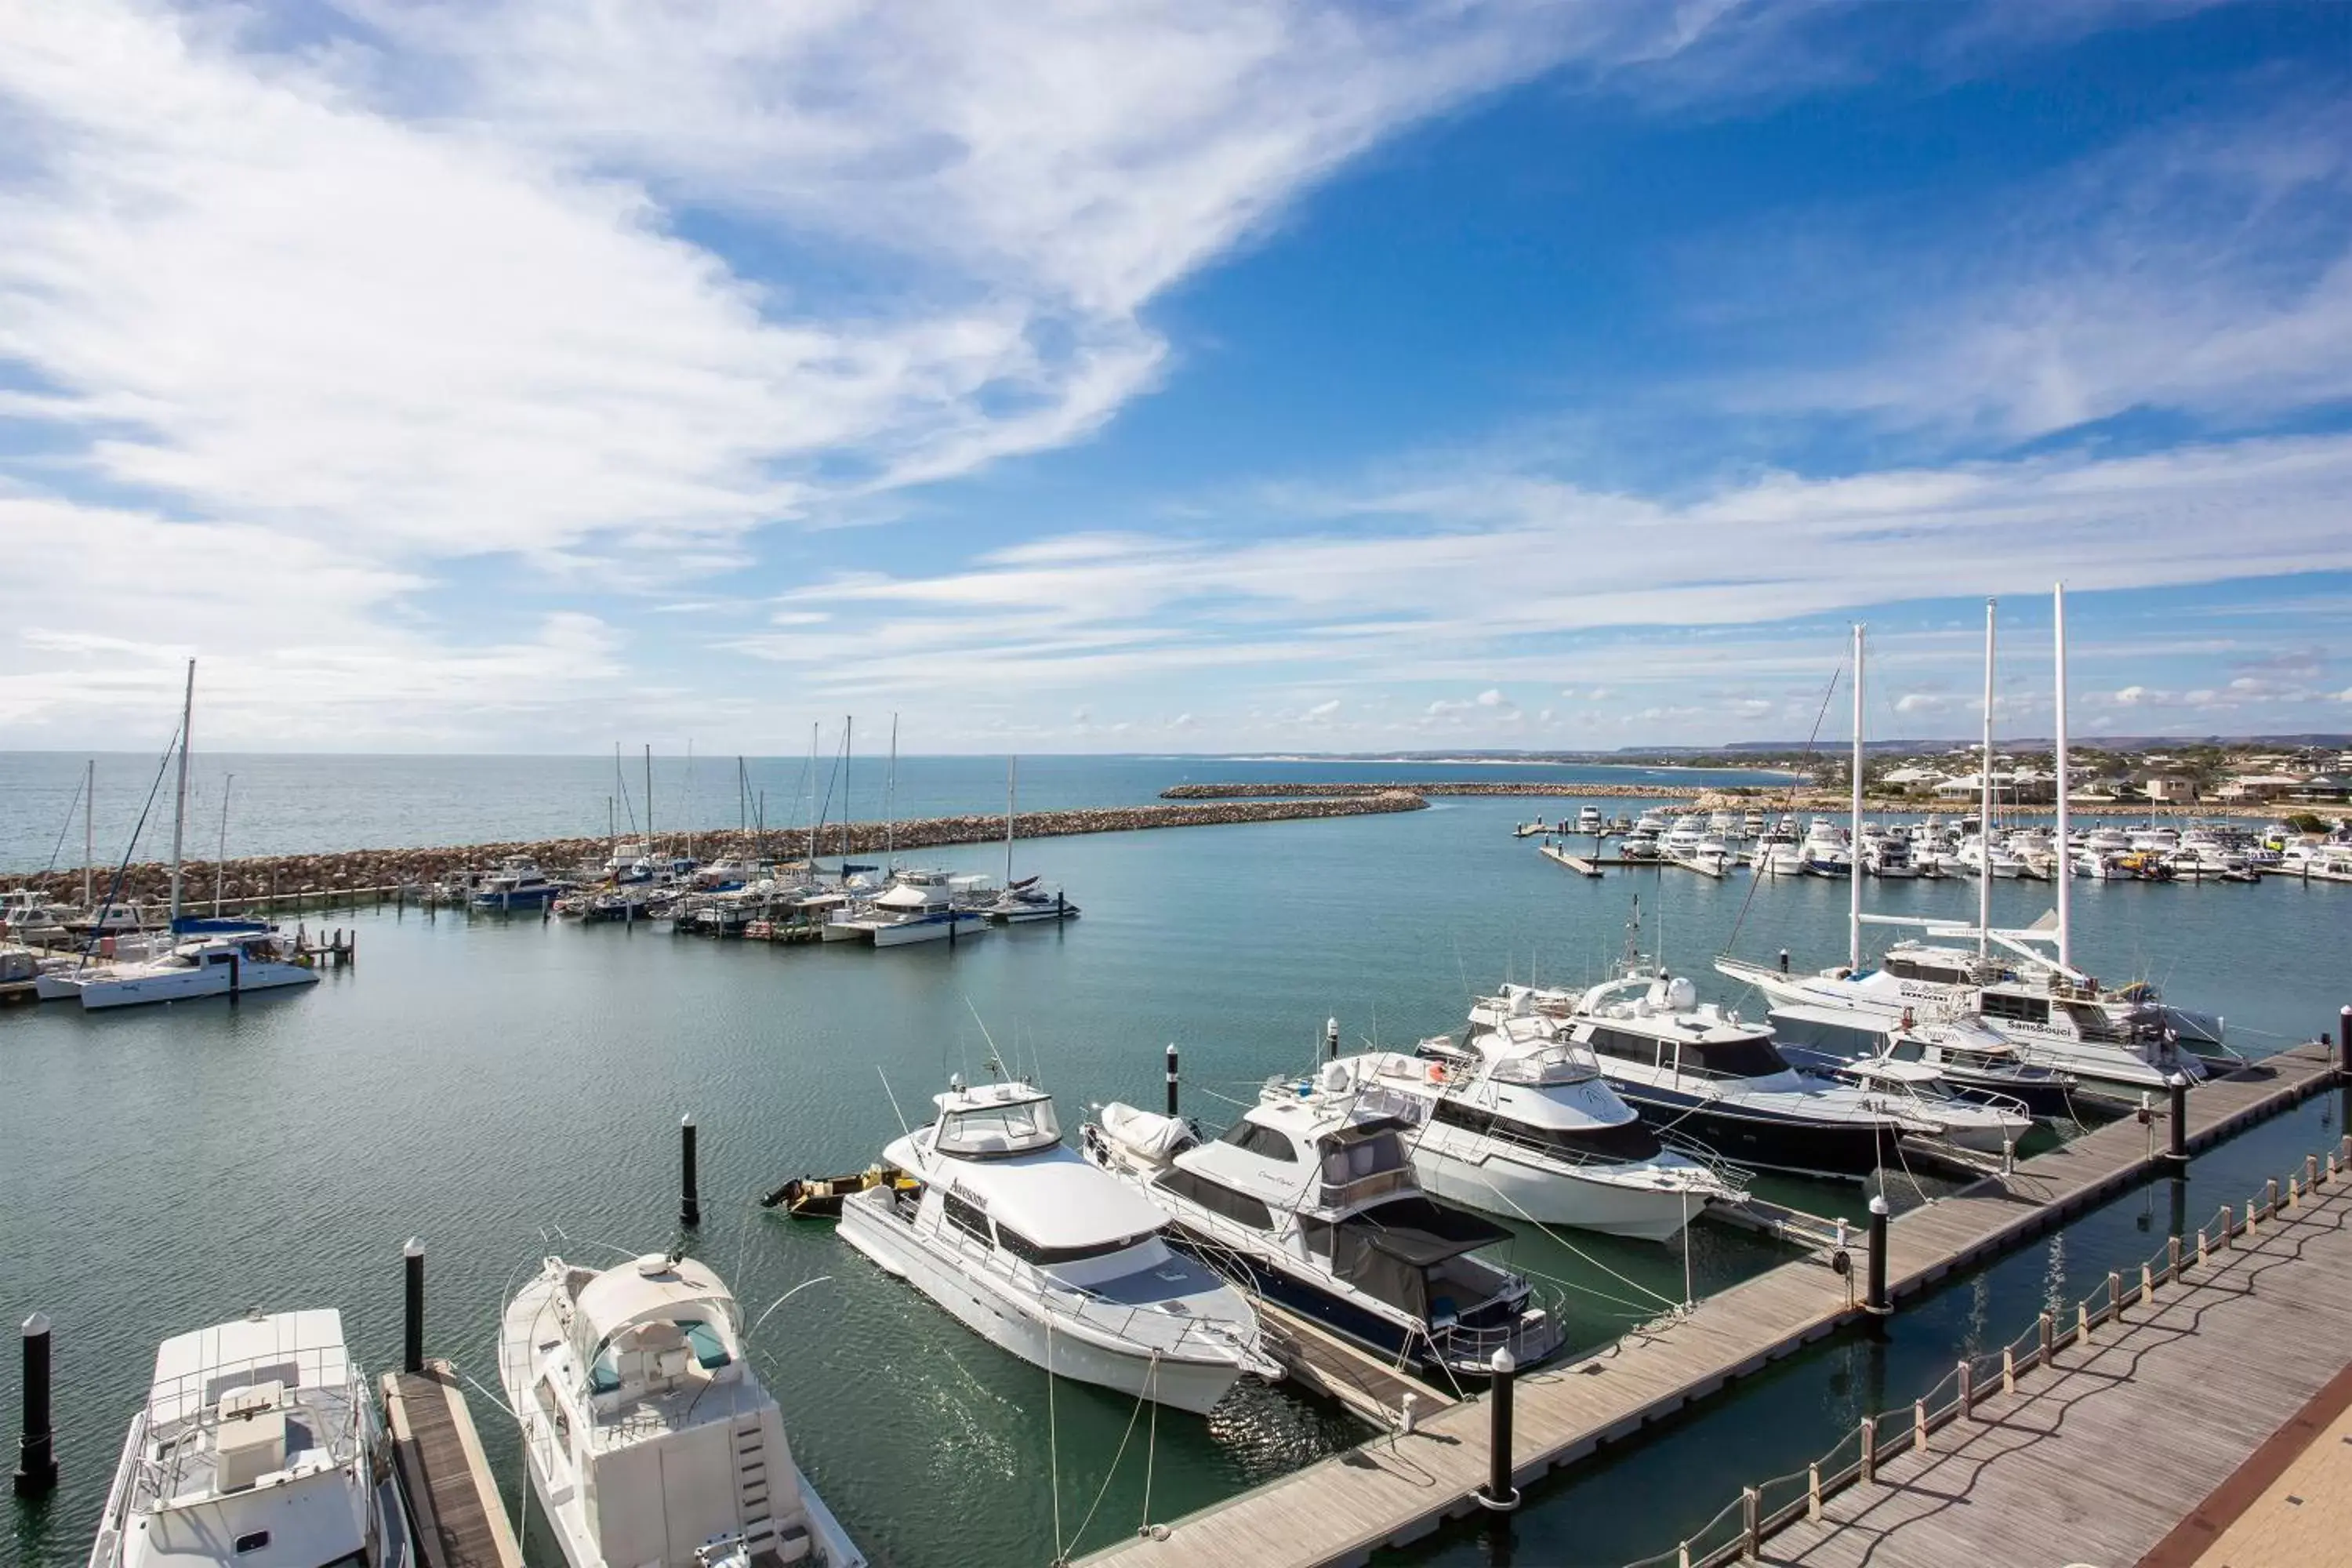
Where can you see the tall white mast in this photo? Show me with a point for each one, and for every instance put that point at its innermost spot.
(1010, 765)
(88, 831)
(811, 797)
(890, 799)
(1853, 832)
(649, 798)
(220, 857)
(2066, 867)
(179, 812)
(1984, 808)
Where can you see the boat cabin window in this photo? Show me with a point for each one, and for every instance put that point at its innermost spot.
(1908, 1051)
(965, 1214)
(1355, 1159)
(1912, 969)
(2022, 1009)
(253, 1543)
(1264, 1141)
(1013, 1128)
(1627, 1140)
(1749, 1056)
(1039, 1253)
(1216, 1197)
(1551, 1065)
(1624, 1045)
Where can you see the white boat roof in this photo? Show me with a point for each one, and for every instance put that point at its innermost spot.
(654, 1289)
(1053, 1196)
(301, 1350)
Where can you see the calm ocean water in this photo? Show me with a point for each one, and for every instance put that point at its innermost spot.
(488, 1085)
(306, 804)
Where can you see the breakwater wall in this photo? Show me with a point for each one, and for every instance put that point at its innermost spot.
(1764, 797)
(291, 877)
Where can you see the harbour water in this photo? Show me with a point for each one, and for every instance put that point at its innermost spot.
(489, 1084)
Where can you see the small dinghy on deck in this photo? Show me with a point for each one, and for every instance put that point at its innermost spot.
(821, 1197)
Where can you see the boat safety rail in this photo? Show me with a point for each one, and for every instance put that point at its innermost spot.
(187, 1407)
(1167, 1331)
(1737, 1531)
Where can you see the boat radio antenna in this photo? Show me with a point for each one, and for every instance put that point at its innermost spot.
(995, 1057)
(901, 1115)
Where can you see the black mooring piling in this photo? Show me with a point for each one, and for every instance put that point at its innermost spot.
(1498, 1493)
(1874, 1300)
(412, 1338)
(690, 1212)
(1171, 1078)
(36, 1459)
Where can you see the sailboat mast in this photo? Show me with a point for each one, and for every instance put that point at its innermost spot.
(848, 746)
(1853, 832)
(649, 797)
(1984, 807)
(1011, 763)
(813, 728)
(220, 857)
(2065, 866)
(689, 797)
(180, 811)
(88, 831)
(890, 800)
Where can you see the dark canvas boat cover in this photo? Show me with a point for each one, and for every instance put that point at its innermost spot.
(1387, 1251)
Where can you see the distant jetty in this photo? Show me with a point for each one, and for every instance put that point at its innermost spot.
(295, 879)
(1756, 793)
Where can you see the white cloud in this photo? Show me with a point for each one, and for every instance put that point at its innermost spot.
(1492, 698)
(1924, 702)
(1322, 710)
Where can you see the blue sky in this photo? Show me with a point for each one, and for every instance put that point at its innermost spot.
(523, 376)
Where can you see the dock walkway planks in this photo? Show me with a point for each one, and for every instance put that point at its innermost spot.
(452, 1497)
(2097, 1458)
(1392, 1488)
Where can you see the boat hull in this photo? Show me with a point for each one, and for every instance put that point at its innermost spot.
(1762, 1140)
(888, 1242)
(1492, 1180)
(187, 984)
(900, 933)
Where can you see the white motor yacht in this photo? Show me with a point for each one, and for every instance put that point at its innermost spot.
(1310, 1197)
(1040, 1252)
(1710, 1074)
(917, 906)
(2120, 1042)
(649, 1439)
(1512, 1122)
(257, 1448)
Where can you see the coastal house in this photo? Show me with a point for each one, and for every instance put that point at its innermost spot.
(2248, 788)
(2172, 789)
(1911, 780)
(2326, 789)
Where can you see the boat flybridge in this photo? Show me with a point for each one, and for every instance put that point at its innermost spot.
(517, 884)
(257, 1448)
(1695, 1069)
(1513, 1121)
(1310, 1197)
(1033, 1248)
(650, 1441)
(917, 906)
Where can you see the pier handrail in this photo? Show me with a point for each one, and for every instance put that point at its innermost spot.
(1736, 1532)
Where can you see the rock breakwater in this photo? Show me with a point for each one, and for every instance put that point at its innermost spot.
(298, 877)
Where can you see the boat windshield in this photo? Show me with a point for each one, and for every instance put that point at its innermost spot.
(1010, 1128)
(1553, 1064)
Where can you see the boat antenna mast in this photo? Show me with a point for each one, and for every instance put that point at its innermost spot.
(2064, 868)
(1984, 808)
(180, 815)
(1853, 833)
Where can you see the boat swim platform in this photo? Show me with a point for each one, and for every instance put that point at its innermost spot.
(2212, 1388)
(453, 1499)
(1396, 1488)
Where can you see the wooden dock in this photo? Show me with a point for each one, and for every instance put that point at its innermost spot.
(1396, 1488)
(2097, 1458)
(1575, 863)
(452, 1499)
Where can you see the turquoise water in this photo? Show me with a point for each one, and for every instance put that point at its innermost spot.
(311, 805)
(484, 1084)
